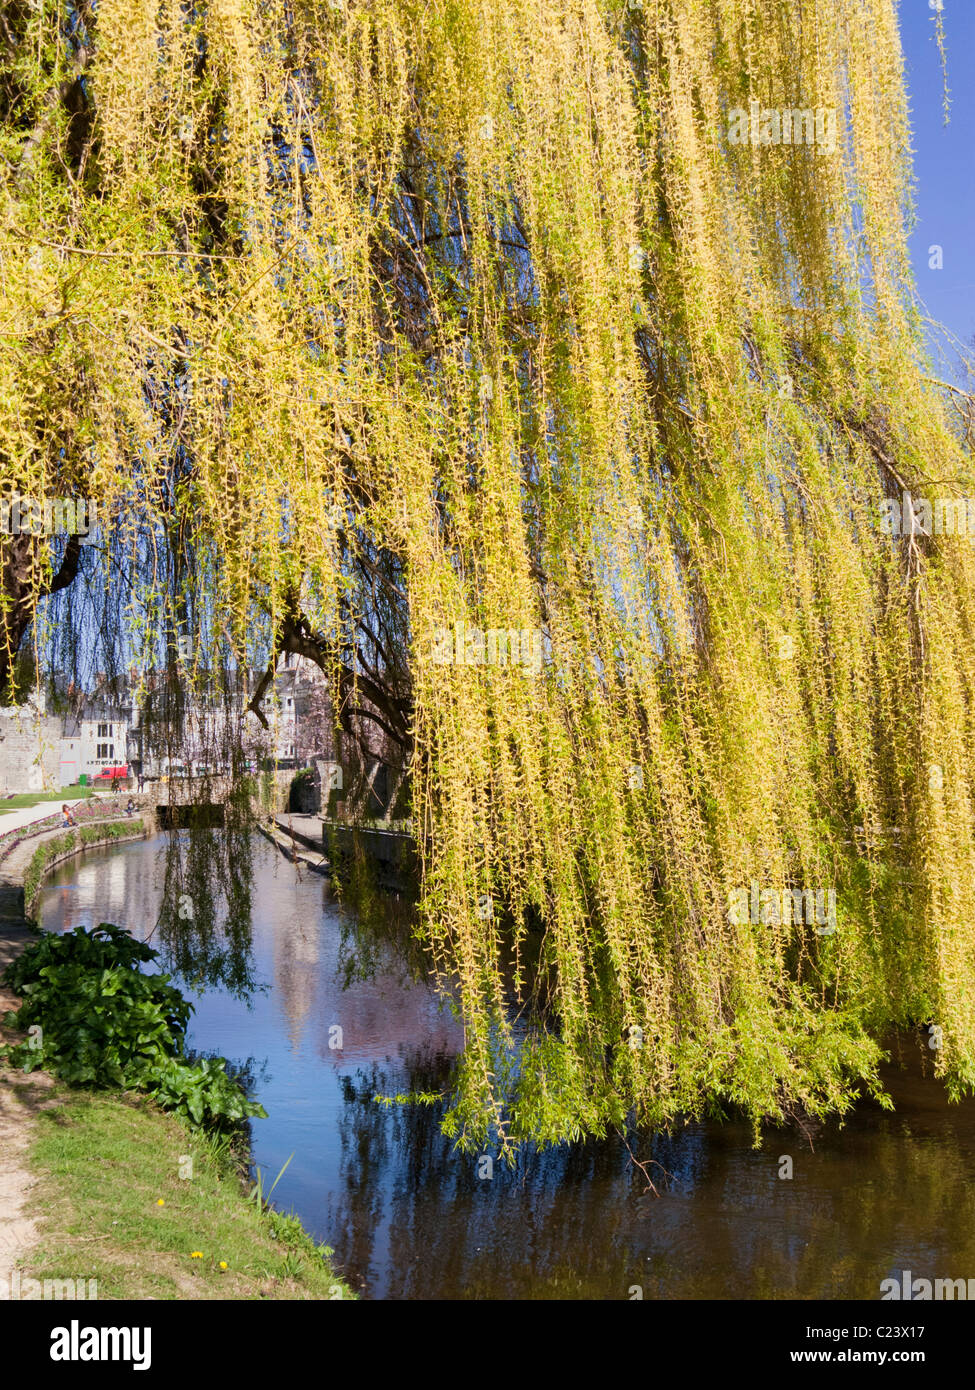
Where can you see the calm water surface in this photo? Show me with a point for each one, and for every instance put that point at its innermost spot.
(407, 1218)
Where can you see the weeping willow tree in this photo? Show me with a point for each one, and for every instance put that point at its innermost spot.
(541, 372)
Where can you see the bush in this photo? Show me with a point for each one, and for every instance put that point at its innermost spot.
(104, 1023)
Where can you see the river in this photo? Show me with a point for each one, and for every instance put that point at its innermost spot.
(409, 1219)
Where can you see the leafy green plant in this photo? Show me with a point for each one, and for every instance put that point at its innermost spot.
(201, 1091)
(101, 1021)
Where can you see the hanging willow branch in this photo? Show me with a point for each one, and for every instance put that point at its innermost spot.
(508, 359)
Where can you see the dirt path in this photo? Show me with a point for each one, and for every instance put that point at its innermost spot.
(21, 1097)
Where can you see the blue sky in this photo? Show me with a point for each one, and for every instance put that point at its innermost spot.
(944, 162)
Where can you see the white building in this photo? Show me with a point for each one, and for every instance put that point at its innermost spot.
(93, 741)
(114, 730)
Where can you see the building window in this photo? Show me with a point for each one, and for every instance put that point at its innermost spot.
(106, 751)
(103, 731)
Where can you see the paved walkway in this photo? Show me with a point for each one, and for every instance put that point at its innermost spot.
(306, 829)
(27, 815)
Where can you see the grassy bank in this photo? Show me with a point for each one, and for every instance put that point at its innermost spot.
(22, 800)
(149, 1208)
(139, 1149)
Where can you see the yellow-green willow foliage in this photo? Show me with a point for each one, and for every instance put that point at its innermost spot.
(489, 288)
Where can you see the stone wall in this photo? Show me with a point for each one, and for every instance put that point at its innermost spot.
(30, 751)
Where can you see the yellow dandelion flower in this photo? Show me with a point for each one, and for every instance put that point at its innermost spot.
(196, 1254)
(223, 1264)
(161, 1202)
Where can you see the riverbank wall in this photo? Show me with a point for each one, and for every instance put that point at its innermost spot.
(24, 869)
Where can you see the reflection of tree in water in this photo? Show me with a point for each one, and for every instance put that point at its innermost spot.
(886, 1192)
(376, 932)
(404, 1184)
(204, 930)
(890, 1191)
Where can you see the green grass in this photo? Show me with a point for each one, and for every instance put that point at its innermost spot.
(16, 803)
(105, 1161)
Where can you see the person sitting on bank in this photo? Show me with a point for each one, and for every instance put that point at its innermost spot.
(68, 818)
(131, 808)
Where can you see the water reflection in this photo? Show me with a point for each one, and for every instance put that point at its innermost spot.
(409, 1218)
(204, 912)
